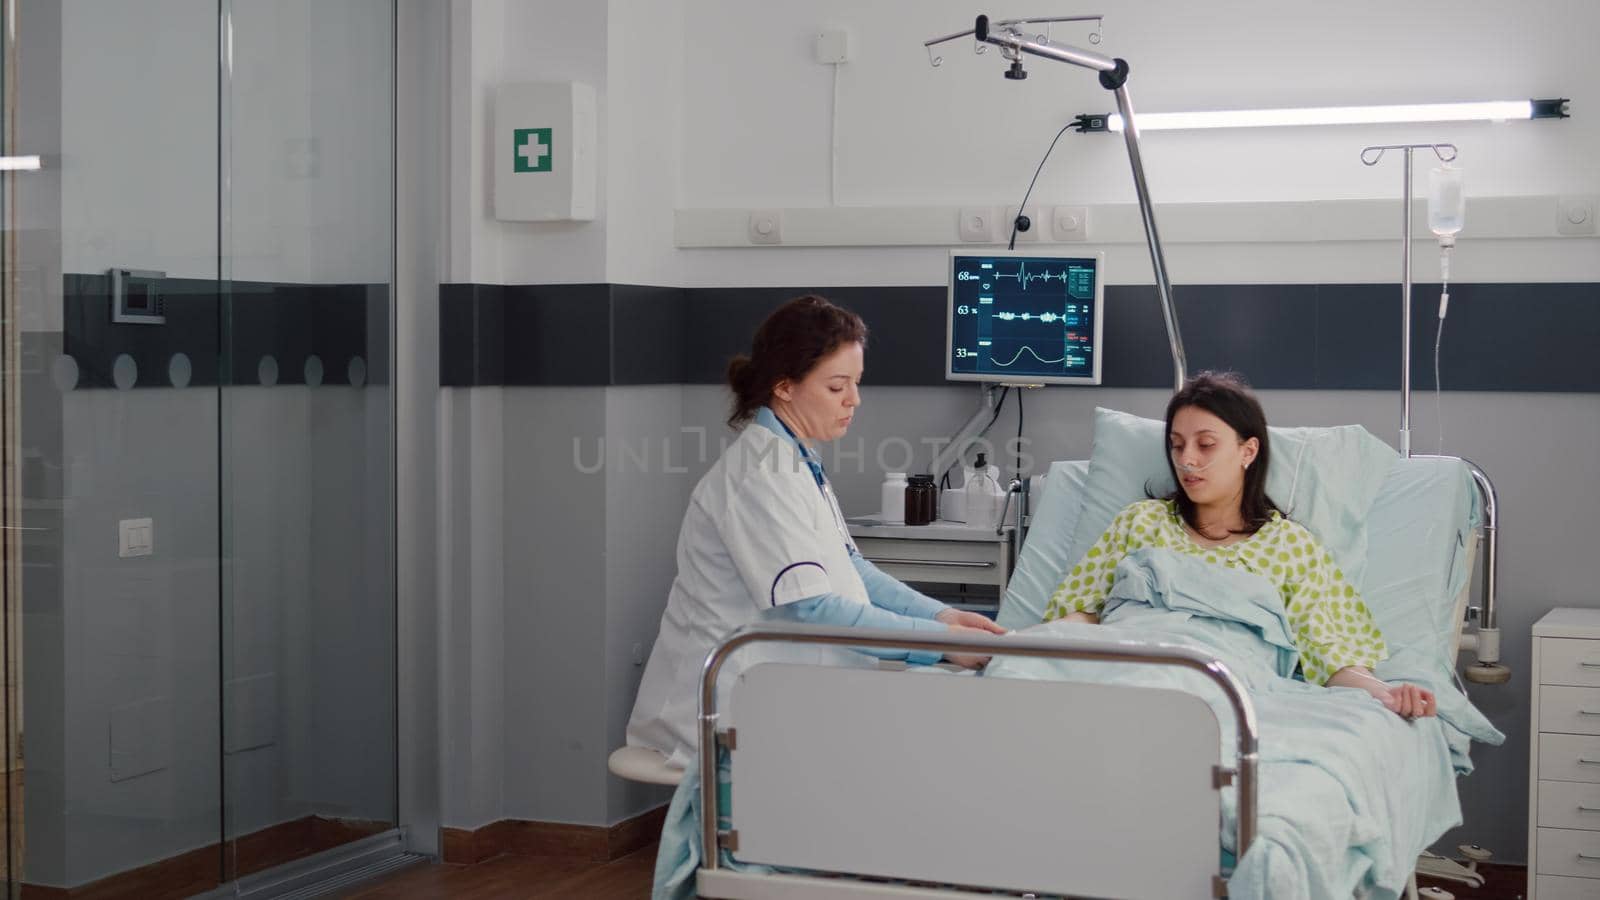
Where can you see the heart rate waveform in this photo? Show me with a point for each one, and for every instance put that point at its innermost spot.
(1077, 280)
(1025, 278)
(1013, 360)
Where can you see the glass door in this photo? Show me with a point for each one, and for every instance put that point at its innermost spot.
(307, 237)
(196, 439)
(11, 166)
(112, 317)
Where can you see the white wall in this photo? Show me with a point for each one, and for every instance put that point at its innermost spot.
(644, 127)
(913, 135)
(581, 556)
(502, 41)
(910, 134)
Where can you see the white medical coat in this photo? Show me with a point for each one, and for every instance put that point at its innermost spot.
(759, 533)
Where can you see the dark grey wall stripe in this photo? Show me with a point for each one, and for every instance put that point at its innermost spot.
(649, 334)
(561, 334)
(289, 322)
(1499, 337)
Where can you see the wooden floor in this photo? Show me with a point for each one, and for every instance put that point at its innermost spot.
(508, 877)
(1501, 882)
(629, 879)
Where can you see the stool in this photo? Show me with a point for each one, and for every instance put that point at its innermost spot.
(643, 765)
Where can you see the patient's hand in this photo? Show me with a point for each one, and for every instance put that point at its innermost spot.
(967, 660)
(1086, 618)
(1410, 701)
(1406, 700)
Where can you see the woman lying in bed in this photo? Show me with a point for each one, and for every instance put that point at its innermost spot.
(1221, 513)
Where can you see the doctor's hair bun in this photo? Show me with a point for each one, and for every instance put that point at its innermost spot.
(739, 373)
(786, 347)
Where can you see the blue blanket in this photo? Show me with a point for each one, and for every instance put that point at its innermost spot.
(1349, 794)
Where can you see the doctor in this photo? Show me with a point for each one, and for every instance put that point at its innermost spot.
(763, 539)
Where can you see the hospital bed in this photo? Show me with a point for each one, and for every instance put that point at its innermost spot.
(839, 782)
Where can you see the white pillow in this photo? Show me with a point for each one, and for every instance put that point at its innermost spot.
(1043, 557)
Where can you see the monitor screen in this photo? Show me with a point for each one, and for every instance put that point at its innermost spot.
(1024, 317)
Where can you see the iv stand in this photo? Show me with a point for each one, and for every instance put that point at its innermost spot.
(1114, 78)
(1370, 157)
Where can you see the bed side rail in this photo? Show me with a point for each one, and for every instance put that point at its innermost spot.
(1486, 640)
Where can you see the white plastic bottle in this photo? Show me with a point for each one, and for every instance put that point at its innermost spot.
(984, 495)
(894, 499)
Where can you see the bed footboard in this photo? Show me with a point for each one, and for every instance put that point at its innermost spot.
(905, 775)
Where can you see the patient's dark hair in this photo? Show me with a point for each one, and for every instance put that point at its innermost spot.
(1227, 396)
(793, 339)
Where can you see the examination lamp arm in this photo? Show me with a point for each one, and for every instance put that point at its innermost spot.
(1114, 78)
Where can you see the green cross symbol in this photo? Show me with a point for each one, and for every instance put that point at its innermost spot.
(532, 150)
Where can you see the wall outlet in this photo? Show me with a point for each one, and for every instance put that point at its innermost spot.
(1576, 215)
(976, 223)
(136, 537)
(833, 46)
(1070, 223)
(1036, 225)
(766, 226)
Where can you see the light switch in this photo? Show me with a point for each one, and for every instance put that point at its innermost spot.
(136, 537)
(976, 224)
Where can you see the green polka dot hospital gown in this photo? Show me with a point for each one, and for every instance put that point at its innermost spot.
(1332, 627)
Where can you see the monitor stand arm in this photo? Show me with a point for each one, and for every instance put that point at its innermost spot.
(969, 433)
(1113, 75)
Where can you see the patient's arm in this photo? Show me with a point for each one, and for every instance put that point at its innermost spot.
(1084, 587)
(1088, 618)
(1406, 700)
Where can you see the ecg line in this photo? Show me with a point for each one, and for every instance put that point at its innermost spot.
(1019, 354)
(1023, 278)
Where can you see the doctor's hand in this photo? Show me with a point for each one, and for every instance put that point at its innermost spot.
(967, 660)
(970, 620)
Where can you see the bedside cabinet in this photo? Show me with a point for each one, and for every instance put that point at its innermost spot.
(942, 553)
(1564, 762)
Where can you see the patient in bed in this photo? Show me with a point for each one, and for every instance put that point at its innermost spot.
(1221, 513)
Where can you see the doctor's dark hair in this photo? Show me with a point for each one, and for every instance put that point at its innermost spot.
(787, 346)
(1227, 396)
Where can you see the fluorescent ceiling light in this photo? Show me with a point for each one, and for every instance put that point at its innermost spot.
(18, 163)
(1337, 115)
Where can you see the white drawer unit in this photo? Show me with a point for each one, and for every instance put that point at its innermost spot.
(944, 552)
(1564, 768)
(1570, 661)
(1568, 757)
(1555, 887)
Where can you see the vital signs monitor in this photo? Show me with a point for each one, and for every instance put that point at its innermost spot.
(1024, 316)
